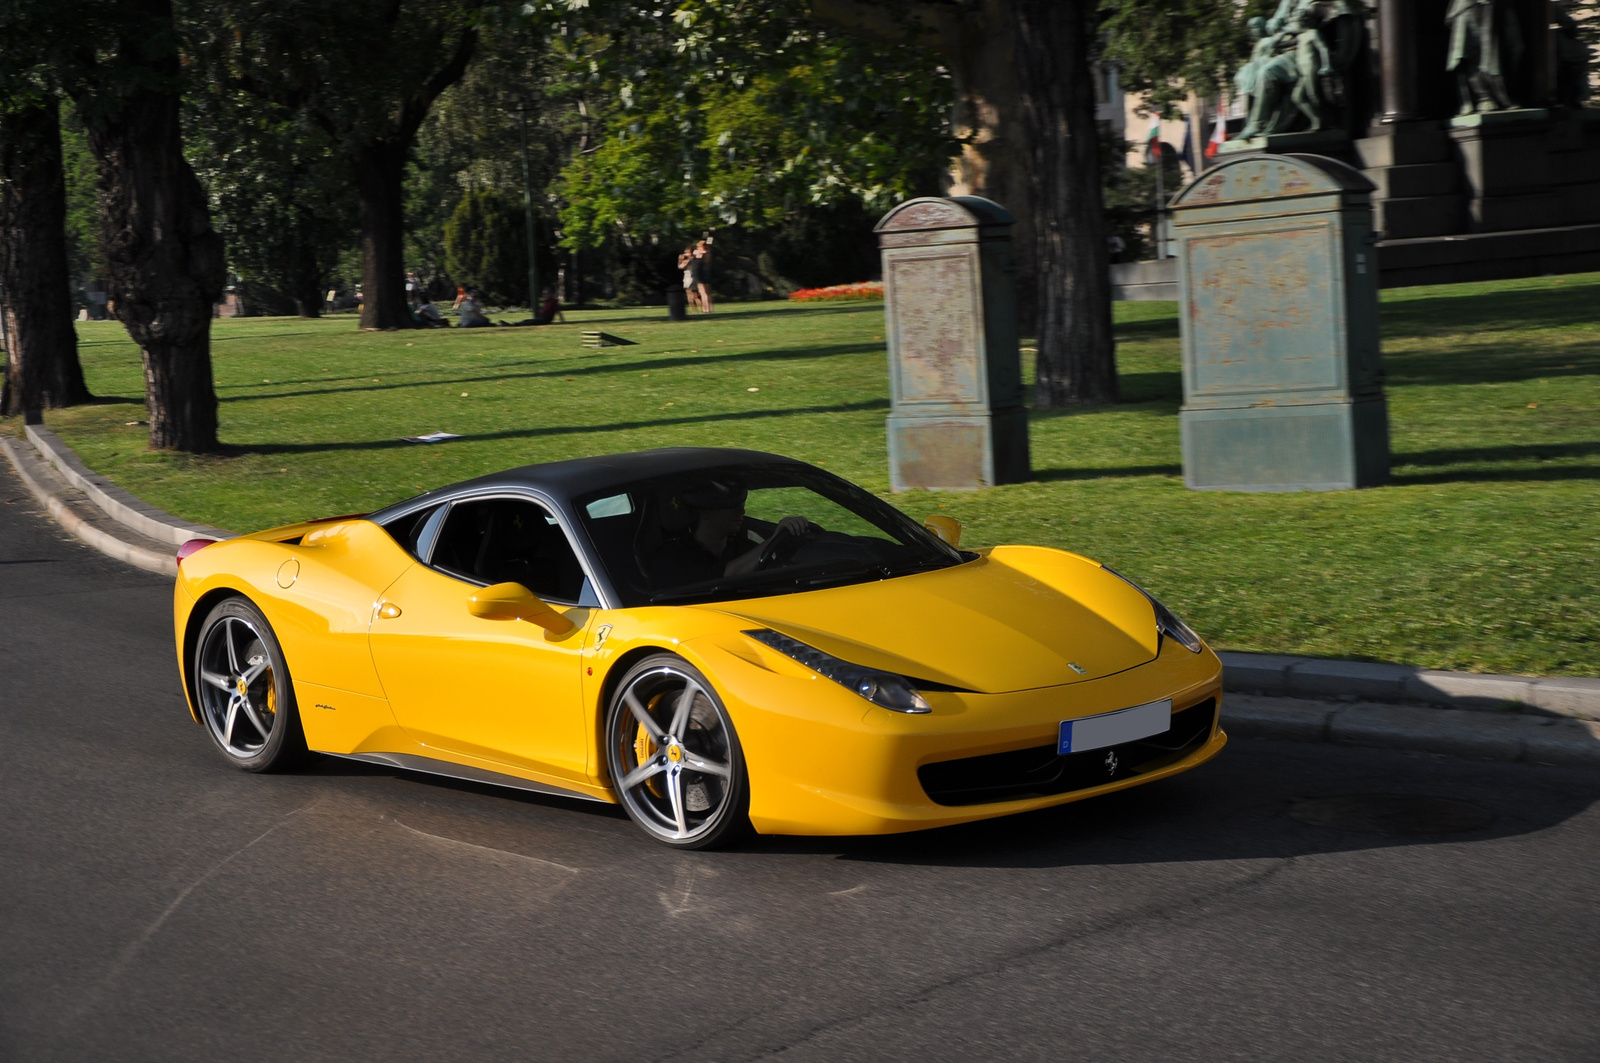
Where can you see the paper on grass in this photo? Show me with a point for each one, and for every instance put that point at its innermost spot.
(431, 437)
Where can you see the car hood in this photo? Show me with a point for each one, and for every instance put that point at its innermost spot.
(1015, 619)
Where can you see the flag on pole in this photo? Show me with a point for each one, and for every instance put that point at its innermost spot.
(1219, 135)
(1187, 154)
(1152, 142)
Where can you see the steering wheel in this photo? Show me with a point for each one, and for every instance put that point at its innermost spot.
(784, 544)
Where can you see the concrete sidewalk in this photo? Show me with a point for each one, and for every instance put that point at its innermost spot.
(1550, 720)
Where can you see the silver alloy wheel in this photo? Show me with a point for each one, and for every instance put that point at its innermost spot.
(674, 751)
(236, 688)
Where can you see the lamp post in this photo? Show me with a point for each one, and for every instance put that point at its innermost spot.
(527, 211)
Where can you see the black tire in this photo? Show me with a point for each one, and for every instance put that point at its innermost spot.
(256, 725)
(676, 804)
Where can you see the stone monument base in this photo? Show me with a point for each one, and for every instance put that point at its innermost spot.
(1325, 446)
(958, 452)
(1334, 143)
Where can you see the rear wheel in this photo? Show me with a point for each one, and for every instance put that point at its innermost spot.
(674, 758)
(241, 684)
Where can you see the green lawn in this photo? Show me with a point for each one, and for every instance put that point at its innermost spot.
(1483, 553)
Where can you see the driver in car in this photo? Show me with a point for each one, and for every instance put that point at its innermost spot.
(716, 545)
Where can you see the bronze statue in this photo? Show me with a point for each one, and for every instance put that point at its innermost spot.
(1299, 65)
(1485, 43)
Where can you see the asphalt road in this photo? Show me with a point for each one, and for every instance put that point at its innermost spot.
(157, 904)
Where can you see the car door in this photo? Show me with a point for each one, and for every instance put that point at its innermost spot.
(506, 691)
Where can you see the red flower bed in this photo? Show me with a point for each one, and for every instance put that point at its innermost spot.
(839, 292)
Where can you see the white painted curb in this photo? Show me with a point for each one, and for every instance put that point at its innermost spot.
(110, 545)
(1503, 736)
(112, 500)
(1308, 677)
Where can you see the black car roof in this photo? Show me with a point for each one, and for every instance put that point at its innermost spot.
(565, 480)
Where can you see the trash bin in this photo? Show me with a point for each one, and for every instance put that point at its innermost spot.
(677, 305)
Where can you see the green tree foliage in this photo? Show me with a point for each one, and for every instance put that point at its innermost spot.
(86, 256)
(486, 246)
(746, 118)
(471, 140)
(280, 197)
(1167, 49)
(364, 72)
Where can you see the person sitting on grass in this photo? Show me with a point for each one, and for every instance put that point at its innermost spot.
(472, 315)
(549, 309)
(428, 316)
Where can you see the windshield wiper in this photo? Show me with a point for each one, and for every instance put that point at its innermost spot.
(807, 578)
(926, 564)
(739, 584)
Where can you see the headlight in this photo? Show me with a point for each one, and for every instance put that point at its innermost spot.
(1167, 622)
(885, 689)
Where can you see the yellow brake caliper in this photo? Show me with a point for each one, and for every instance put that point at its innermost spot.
(643, 749)
(272, 693)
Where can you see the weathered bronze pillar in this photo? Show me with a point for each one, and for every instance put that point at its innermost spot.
(1397, 44)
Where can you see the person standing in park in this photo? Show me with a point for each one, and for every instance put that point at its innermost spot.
(685, 263)
(700, 272)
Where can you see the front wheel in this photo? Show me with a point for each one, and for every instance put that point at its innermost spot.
(674, 759)
(241, 683)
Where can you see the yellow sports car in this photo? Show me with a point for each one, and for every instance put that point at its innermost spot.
(717, 640)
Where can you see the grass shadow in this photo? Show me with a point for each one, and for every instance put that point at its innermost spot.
(1448, 313)
(675, 362)
(1513, 452)
(1108, 473)
(557, 430)
(1547, 475)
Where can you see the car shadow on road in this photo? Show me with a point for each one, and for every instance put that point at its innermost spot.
(1237, 807)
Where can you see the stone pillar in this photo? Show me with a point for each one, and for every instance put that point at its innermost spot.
(1397, 56)
(1278, 291)
(956, 419)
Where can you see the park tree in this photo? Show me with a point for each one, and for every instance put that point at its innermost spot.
(42, 367)
(471, 142)
(119, 62)
(486, 245)
(1025, 120)
(1164, 50)
(750, 120)
(280, 196)
(365, 72)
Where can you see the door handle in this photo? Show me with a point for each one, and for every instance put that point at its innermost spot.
(388, 611)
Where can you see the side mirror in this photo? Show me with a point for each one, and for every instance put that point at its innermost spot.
(946, 528)
(513, 601)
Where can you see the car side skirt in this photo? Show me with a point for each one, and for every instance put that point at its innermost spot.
(466, 773)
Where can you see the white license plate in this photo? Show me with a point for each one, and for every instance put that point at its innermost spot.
(1115, 728)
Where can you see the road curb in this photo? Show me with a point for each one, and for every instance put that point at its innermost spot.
(122, 507)
(106, 543)
(1307, 677)
(1505, 736)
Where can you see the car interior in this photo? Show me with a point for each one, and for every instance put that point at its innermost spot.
(509, 540)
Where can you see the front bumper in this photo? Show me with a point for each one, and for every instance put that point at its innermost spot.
(822, 761)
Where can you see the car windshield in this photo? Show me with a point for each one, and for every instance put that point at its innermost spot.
(742, 531)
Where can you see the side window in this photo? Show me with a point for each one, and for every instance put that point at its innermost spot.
(508, 540)
(416, 531)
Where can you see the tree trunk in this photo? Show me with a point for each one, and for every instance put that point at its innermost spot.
(306, 283)
(42, 368)
(380, 175)
(1077, 363)
(1025, 115)
(166, 267)
(994, 157)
